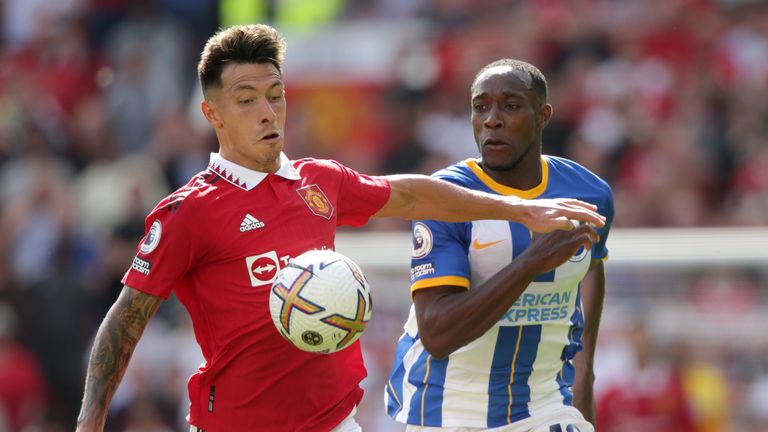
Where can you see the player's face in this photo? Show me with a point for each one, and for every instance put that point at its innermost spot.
(248, 113)
(507, 119)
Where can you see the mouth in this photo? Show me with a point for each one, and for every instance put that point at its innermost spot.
(494, 143)
(270, 137)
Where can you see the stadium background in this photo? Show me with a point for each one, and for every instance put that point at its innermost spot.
(665, 99)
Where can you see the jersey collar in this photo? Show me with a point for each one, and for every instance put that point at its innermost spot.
(246, 178)
(532, 193)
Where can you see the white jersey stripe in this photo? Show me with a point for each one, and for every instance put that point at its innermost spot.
(418, 375)
(410, 359)
(394, 389)
(466, 392)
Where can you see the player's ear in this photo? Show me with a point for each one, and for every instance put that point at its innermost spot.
(209, 111)
(545, 115)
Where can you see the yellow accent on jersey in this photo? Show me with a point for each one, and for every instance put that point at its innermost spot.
(477, 245)
(506, 190)
(440, 281)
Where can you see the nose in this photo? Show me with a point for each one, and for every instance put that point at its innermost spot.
(492, 119)
(267, 113)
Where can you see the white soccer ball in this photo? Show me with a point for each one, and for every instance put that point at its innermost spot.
(320, 301)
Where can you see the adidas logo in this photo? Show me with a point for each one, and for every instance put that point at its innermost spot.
(250, 223)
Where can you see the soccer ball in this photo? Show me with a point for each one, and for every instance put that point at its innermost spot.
(320, 301)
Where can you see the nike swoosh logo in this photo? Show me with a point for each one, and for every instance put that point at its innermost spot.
(477, 245)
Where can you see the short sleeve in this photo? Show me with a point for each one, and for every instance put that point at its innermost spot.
(360, 196)
(439, 255)
(605, 208)
(164, 255)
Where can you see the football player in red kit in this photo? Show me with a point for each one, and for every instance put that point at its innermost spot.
(218, 242)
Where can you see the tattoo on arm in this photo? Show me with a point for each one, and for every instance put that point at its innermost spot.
(112, 349)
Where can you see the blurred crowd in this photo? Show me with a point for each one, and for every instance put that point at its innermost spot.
(99, 119)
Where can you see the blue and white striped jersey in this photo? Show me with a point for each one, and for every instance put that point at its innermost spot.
(521, 366)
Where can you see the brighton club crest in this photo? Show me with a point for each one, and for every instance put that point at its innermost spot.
(316, 200)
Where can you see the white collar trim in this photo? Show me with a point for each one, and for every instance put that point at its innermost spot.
(246, 178)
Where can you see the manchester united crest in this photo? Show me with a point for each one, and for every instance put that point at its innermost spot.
(316, 200)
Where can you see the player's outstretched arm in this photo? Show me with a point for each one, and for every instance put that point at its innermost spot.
(592, 295)
(420, 197)
(112, 349)
(450, 317)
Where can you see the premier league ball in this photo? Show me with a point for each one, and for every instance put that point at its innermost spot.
(320, 301)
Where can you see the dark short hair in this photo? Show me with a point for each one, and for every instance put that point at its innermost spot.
(240, 44)
(539, 81)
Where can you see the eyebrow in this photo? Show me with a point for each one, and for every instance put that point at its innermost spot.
(239, 87)
(506, 94)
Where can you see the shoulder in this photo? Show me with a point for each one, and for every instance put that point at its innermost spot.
(188, 200)
(325, 171)
(578, 175)
(467, 174)
(570, 179)
(310, 165)
(459, 173)
(328, 171)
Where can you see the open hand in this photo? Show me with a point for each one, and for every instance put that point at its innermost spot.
(547, 215)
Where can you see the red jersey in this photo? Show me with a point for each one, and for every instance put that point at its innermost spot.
(218, 243)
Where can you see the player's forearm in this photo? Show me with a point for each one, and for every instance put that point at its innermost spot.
(417, 197)
(583, 386)
(113, 346)
(453, 321)
(593, 295)
(420, 197)
(583, 395)
(448, 319)
(592, 298)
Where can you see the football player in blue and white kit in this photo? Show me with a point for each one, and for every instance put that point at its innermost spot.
(502, 331)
